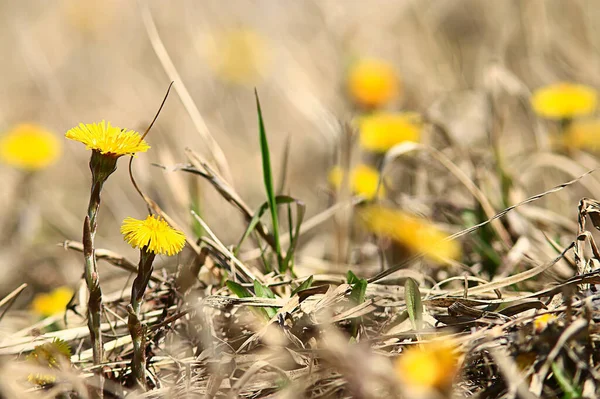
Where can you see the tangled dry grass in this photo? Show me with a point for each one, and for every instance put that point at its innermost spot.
(310, 303)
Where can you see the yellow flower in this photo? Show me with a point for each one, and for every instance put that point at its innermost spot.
(414, 233)
(564, 101)
(429, 366)
(582, 135)
(380, 132)
(153, 234)
(239, 56)
(52, 303)
(29, 147)
(363, 180)
(51, 355)
(372, 83)
(107, 139)
(541, 322)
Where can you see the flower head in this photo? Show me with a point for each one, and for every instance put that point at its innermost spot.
(107, 139)
(51, 355)
(582, 135)
(52, 303)
(29, 147)
(364, 180)
(414, 233)
(381, 131)
(154, 234)
(372, 83)
(238, 56)
(429, 366)
(564, 101)
(541, 322)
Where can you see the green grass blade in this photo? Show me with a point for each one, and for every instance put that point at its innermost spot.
(305, 284)
(268, 179)
(294, 234)
(414, 306)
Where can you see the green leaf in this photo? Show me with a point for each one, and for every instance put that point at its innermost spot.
(305, 284)
(359, 289)
(280, 199)
(265, 292)
(268, 180)
(237, 289)
(262, 291)
(351, 277)
(414, 306)
(357, 296)
(289, 256)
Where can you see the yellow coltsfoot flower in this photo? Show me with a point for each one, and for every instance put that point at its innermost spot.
(55, 355)
(564, 101)
(153, 234)
(52, 303)
(29, 147)
(372, 83)
(428, 366)
(107, 139)
(381, 131)
(581, 135)
(415, 234)
(541, 322)
(363, 180)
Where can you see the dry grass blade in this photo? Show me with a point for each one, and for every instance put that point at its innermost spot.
(111, 257)
(182, 92)
(537, 382)
(256, 275)
(404, 148)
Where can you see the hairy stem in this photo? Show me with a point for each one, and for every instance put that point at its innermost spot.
(136, 328)
(101, 166)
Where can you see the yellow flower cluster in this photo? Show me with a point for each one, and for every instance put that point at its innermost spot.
(363, 180)
(564, 101)
(52, 303)
(372, 83)
(29, 147)
(381, 131)
(108, 139)
(414, 233)
(154, 234)
(428, 366)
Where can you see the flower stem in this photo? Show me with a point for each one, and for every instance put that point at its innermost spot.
(102, 166)
(136, 328)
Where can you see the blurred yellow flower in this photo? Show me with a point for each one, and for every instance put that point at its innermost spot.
(416, 234)
(363, 180)
(428, 366)
(108, 139)
(238, 56)
(582, 135)
(29, 147)
(381, 131)
(372, 83)
(51, 355)
(541, 322)
(52, 303)
(90, 16)
(564, 101)
(153, 234)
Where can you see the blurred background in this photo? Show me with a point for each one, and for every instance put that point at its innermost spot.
(458, 63)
